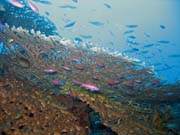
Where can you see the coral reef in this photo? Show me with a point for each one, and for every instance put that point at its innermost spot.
(127, 96)
(28, 110)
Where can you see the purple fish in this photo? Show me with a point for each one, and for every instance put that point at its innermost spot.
(57, 82)
(50, 70)
(77, 82)
(75, 60)
(16, 3)
(33, 7)
(66, 68)
(150, 72)
(90, 87)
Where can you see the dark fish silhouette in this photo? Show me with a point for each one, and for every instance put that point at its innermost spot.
(174, 55)
(163, 41)
(107, 5)
(45, 2)
(132, 26)
(162, 27)
(128, 32)
(78, 39)
(132, 37)
(96, 23)
(148, 45)
(71, 24)
(68, 7)
(86, 36)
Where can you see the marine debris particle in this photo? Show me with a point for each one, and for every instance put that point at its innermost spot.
(24, 62)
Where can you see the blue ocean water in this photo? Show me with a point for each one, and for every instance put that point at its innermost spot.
(144, 30)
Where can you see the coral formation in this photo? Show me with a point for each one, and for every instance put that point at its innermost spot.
(127, 99)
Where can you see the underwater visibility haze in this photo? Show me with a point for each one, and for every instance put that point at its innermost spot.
(100, 67)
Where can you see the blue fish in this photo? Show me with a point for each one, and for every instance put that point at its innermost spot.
(96, 23)
(132, 42)
(111, 43)
(132, 37)
(43, 2)
(112, 49)
(78, 39)
(107, 5)
(86, 36)
(174, 55)
(148, 45)
(131, 50)
(144, 52)
(163, 41)
(132, 26)
(128, 32)
(147, 35)
(47, 13)
(68, 7)
(76, 1)
(135, 49)
(66, 20)
(162, 27)
(71, 24)
(1, 47)
(2, 27)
